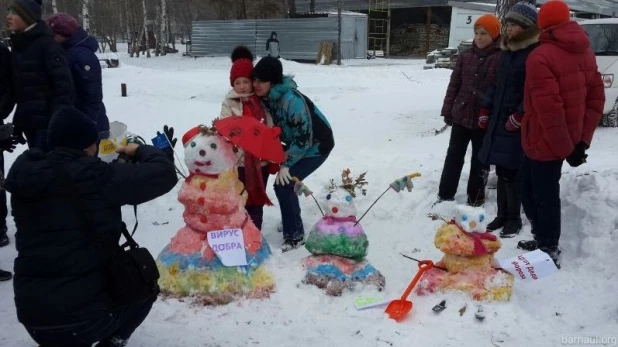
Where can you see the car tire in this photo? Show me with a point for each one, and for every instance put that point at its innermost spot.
(610, 120)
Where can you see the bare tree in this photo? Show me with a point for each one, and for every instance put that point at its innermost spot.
(86, 15)
(146, 29)
(54, 4)
(164, 29)
(503, 6)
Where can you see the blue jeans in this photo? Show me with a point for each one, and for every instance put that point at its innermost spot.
(293, 229)
(37, 138)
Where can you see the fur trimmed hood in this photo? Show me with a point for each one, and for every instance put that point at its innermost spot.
(527, 38)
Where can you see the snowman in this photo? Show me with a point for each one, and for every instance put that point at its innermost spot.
(214, 201)
(468, 259)
(338, 244)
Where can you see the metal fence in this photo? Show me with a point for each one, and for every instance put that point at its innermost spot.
(299, 38)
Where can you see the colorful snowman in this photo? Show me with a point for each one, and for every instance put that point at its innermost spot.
(338, 244)
(468, 259)
(214, 201)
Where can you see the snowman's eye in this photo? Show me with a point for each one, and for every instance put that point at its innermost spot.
(193, 144)
(213, 145)
(348, 198)
(481, 218)
(464, 217)
(328, 197)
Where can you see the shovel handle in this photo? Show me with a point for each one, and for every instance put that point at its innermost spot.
(423, 266)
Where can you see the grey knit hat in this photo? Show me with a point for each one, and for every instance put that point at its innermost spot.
(523, 13)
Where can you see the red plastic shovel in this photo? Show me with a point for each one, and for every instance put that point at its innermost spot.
(398, 309)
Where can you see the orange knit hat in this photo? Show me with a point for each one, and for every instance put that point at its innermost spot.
(552, 13)
(491, 23)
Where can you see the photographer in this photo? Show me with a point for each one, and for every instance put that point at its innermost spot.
(7, 142)
(63, 286)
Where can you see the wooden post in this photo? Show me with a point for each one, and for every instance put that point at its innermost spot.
(339, 34)
(388, 34)
(123, 89)
(428, 29)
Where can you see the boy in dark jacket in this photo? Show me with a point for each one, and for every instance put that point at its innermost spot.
(470, 79)
(501, 115)
(564, 98)
(41, 77)
(85, 68)
(60, 279)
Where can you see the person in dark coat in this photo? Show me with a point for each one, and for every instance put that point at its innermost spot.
(41, 76)
(272, 46)
(60, 274)
(85, 68)
(8, 144)
(502, 112)
(564, 100)
(474, 71)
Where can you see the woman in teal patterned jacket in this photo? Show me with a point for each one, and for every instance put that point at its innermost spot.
(307, 137)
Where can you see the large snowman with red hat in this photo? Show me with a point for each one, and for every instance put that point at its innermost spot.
(219, 255)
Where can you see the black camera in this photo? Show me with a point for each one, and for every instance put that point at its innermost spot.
(6, 131)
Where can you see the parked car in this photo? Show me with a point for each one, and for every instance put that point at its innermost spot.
(603, 35)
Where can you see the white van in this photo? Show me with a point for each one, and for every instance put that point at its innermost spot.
(603, 35)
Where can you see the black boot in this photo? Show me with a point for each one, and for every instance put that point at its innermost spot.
(499, 221)
(512, 227)
(5, 275)
(4, 239)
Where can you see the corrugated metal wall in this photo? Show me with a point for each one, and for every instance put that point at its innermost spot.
(299, 38)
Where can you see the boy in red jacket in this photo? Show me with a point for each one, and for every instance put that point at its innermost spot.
(563, 102)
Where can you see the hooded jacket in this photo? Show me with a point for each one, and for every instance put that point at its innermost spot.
(59, 272)
(86, 71)
(564, 94)
(474, 72)
(505, 98)
(42, 80)
(272, 46)
(305, 131)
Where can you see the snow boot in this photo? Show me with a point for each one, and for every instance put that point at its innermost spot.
(5, 275)
(4, 238)
(512, 226)
(528, 245)
(554, 254)
(500, 220)
(290, 245)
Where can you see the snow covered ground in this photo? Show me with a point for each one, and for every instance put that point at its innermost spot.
(383, 123)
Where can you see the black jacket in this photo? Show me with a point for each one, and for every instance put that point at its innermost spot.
(506, 97)
(7, 102)
(59, 273)
(41, 77)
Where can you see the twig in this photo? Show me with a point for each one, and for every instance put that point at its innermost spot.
(441, 130)
(410, 79)
(375, 202)
(418, 261)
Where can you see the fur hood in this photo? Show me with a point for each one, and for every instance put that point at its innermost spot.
(527, 38)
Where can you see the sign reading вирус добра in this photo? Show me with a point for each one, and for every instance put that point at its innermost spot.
(229, 246)
(529, 266)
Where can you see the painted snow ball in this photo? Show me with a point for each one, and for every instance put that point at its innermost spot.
(471, 219)
(207, 153)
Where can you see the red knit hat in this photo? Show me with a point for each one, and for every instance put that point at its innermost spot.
(553, 13)
(491, 23)
(242, 66)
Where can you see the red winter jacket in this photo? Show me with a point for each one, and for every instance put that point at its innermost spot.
(563, 96)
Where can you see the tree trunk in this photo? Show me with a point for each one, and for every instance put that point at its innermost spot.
(312, 6)
(54, 6)
(502, 7)
(86, 15)
(146, 29)
(339, 8)
(164, 32)
(292, 8)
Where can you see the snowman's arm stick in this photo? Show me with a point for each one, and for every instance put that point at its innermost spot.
(375, 202)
